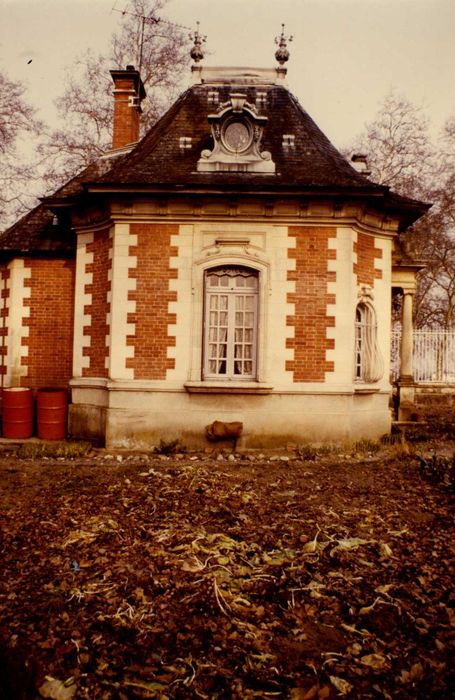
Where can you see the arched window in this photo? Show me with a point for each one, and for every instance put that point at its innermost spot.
(230, 323)
(369, 366)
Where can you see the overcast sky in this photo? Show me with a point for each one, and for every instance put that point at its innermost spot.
(345, 56)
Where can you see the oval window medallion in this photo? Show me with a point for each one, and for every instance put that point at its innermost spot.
(237, 136)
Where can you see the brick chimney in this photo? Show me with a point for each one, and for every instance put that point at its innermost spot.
(128, 94)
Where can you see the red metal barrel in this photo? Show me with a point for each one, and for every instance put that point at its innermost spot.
(17, 412)
(51, 410)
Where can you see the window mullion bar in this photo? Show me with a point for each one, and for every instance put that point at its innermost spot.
(230, 335)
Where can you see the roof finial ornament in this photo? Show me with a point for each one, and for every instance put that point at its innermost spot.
(196, 52)
(282, 53)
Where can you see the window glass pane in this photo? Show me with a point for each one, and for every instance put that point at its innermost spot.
(367, 357)
(230, 322)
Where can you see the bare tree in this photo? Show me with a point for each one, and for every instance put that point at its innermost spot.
(158, 48)
(402, 154)
(398, 144)
(18, 123)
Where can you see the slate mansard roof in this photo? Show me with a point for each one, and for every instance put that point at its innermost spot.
(311, 161)
(307, 164)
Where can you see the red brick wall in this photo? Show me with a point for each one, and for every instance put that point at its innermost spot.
(126, 117)
(152, 295)
(4, 294)
(310, 319)
(50, 339)
(366, 257)
(97, 350)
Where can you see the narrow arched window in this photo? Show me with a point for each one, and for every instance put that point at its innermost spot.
(369, 366)
(230, 327)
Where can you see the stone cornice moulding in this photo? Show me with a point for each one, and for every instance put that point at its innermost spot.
(212, 387)
(93, 228)
(280, 220)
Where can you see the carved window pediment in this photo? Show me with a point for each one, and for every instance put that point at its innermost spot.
(237, 131)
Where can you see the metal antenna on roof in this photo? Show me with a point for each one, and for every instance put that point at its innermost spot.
(282, 53)
(146, 19)
(152, 20)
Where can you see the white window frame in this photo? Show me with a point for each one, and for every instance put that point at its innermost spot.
(231, 320)
(368, 363)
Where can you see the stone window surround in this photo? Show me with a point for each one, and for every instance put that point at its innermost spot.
(368, 361)
(195, 383)
(227, 356)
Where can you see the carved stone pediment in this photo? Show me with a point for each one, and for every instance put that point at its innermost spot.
(237, 130)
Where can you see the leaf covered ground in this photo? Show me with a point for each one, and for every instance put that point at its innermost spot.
(279, 576)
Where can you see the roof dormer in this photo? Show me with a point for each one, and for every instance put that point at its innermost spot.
(237, 130)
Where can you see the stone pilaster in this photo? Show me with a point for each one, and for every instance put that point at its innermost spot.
(121, 284)
(82, 301)
(17, 311)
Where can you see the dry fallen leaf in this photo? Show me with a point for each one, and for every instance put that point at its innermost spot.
(415, 674)
(58, 690)
(311, 547)
(340, 684)
(145, 685)
(302, 694)
(368, 608)
(376, 661)
(386, 550)
(349, 544)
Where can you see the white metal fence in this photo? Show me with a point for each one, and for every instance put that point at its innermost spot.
(433, 356)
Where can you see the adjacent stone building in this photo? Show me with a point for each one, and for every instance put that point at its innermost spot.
(231, 265)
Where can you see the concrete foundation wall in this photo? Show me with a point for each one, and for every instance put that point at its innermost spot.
(140, 419)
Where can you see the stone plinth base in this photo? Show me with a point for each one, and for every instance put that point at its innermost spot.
(140, 419)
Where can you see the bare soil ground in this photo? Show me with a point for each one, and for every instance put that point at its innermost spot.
(272, 576)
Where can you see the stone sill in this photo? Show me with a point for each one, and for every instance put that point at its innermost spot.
(366, 390)
(228, 388)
